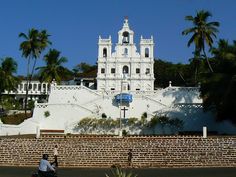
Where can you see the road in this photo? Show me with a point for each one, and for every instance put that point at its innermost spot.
(148, 172)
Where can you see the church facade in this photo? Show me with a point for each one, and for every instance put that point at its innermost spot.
(125, 62)
(125, 89)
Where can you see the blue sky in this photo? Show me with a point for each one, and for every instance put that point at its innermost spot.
(75, 25)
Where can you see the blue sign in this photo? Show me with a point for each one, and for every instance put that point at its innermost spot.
(124, 97)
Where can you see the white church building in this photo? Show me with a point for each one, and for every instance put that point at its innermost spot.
(126, 62)
(125, 89)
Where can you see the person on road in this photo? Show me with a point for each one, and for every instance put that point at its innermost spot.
(45, 168)
(130, 156)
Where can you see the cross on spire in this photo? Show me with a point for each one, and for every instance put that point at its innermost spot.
(126, 19)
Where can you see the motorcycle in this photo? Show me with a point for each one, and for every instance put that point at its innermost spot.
(38, 175)
(51, 173)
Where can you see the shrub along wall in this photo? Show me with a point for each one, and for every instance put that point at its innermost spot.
(99, 151)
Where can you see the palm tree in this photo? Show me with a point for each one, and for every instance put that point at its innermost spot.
(9, 67)
(44, 43)
(8, 81)
(32, 46)
(202, 33)
(53, 69)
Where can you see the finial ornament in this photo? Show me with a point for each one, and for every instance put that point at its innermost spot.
(126, 19)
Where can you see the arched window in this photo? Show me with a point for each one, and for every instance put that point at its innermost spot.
(146, 52)
(104, 54)
(125, 37)
(126, 51)
(125, 70)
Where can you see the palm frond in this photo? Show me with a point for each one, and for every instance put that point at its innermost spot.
(118, 172)
(23, 35)
(189, 18)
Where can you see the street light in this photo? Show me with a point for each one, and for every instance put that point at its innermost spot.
(123, 76)
(120, 132)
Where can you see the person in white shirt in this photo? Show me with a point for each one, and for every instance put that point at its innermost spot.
(45, 168)
(55, 152)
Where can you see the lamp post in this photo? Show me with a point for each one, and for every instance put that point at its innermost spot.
(120, 131)
(122, 77)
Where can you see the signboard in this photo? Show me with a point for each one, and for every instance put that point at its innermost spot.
(124, 97)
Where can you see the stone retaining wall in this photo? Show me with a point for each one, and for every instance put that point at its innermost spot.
(101, 151)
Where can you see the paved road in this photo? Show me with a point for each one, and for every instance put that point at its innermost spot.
(149, 172)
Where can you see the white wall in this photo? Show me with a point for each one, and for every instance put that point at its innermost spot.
(69, 104)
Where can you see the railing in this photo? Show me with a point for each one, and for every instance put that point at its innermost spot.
(66, 87)
(151, 99)
(45, 105)
(30, 92)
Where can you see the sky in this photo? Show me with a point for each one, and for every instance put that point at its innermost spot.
(74, 25)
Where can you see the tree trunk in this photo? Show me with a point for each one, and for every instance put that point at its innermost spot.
(32, 72)
(27, 85)
(195, 75)
(1, 100)
(31, 75)
(182, 78)
(209, 65)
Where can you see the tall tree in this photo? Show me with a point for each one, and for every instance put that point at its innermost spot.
(8, 81)
(202, 33)
(9, 67)
(53, 68)
(218, 88)
(43, 44)
(32, 46)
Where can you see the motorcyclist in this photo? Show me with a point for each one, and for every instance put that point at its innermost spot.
(45, 168)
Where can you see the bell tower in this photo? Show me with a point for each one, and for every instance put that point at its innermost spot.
(125, 35)
(104, 47)
(146, 47)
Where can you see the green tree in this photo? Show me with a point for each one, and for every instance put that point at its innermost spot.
(84, 67)
(34, 43)
(43, 44)
(8, 81)
(218, 89)
(202, 33)
(53, 68)
(178, 73)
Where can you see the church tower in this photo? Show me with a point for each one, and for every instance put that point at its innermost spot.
(125, 62)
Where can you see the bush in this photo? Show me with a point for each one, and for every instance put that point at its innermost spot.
(46, 114)
(15, 119)
(124, 132)
(118, 172)
(104, 115)
(132, 121)
(144, 115)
